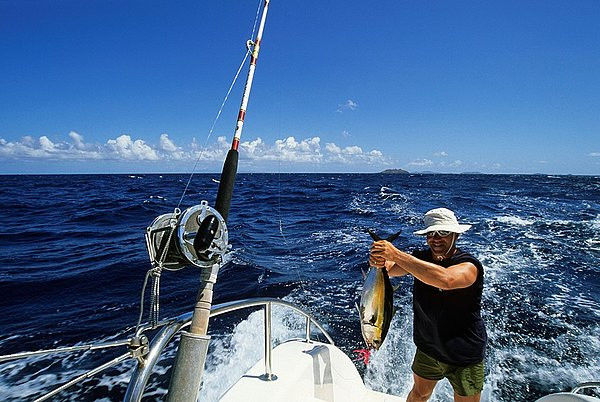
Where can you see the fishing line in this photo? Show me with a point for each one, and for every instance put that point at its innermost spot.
(285, 242)
(289, 249)
(237, 74)
(302, 284)
(293, 262)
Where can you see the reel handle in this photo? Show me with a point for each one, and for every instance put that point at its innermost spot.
(206, 234)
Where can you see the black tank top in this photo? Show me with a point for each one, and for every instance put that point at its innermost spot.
(447, 323)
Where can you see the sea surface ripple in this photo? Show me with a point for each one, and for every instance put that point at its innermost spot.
(73, 260)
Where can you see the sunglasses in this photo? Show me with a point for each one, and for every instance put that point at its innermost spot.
(440, 233)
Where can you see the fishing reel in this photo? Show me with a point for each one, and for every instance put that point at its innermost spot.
(196, 236)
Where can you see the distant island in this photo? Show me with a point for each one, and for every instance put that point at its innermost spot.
(402, 171)
(395, 171)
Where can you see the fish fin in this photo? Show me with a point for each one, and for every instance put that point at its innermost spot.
(394, 236)
(374, 235)
(364, 274)
(390, 238)
(357, 308)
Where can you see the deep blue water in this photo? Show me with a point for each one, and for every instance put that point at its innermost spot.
(73, 260)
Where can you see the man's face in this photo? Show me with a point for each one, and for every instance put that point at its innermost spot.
(440, 245)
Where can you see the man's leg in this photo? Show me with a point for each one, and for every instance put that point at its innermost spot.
(467, 381)
(421, 390)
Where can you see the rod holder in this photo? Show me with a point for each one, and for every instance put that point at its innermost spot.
(188, 368)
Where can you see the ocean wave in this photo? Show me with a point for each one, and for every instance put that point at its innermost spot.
(74, 254)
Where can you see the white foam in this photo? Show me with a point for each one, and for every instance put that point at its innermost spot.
(387, 193)
(514, 220)
(389, 368)
(361, 206)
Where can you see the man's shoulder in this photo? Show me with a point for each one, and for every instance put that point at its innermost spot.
(464, 256)
(461, 253)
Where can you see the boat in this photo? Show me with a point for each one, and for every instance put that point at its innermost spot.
(297, 369)
(308, 368)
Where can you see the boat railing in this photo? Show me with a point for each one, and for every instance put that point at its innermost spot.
(171, 328)
(585, 385)
(147, 353)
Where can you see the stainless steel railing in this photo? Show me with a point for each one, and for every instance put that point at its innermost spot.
(148, 354)
(585, 385)
(170, 328)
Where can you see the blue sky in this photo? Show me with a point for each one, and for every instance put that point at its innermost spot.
(341, 86)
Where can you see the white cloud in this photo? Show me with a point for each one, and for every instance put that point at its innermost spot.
(332, 148)
(348, 105)
(253, 147)
(45, 148)
(46, 144)
(441, 153)
(125, 148)
(78, 142)
(594, 154)
(421, 163)
(353, 150)
(28, 141)
(353, 154)
(166, 144)
(290, 150)
(170, 150)
(455, 163)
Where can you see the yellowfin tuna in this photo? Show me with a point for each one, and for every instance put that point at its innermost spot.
(376, 307)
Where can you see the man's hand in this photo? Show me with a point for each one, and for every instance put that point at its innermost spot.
(382, 251)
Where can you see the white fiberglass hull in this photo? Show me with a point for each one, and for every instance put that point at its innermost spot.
(305, 372)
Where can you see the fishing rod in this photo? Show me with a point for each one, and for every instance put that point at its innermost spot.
(205, 233)
(188, 368)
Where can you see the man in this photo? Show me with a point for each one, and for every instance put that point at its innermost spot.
(448, 329)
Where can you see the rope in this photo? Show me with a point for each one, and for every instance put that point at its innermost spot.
(237, 74)
(154, 316)
(155, 272)
(137, 327)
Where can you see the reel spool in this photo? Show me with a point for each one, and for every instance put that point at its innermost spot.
(172, 241)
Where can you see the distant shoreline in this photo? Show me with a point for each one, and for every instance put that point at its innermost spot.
(306, 173)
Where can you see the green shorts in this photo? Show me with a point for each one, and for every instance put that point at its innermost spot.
(466, 381)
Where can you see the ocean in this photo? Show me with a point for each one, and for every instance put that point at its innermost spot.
(73, 262)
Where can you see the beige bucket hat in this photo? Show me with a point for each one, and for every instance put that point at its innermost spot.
(442, 219)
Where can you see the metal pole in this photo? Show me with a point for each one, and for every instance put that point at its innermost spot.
(308, 329)
(268, 376)
(191, 354)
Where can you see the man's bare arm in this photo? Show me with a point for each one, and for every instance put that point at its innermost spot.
(454, 277)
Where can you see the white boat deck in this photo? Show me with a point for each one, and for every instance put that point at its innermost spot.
(306, 372)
